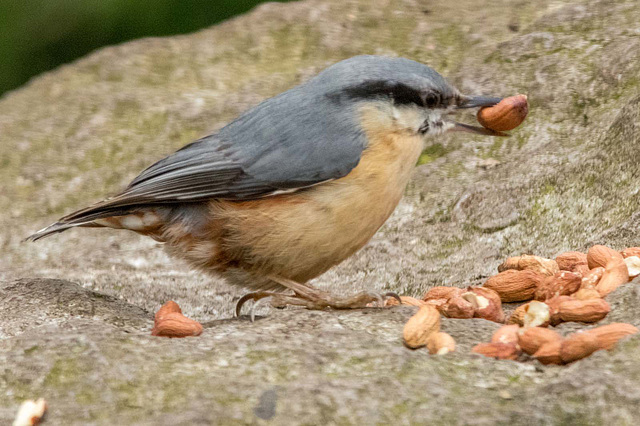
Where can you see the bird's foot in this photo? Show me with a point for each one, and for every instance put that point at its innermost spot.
(365, 299)
(280, 301)
(312, 298)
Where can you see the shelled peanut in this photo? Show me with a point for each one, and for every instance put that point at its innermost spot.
(440, 343)
(170, 322)
(583, 343)
(421, 326)
(569, 288)
(472, 302)
(548, 346)
(508, 114)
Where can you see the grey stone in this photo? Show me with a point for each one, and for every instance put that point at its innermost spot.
(566, 179)
(29, 303)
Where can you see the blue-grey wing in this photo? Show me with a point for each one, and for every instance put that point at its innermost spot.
(291, 141)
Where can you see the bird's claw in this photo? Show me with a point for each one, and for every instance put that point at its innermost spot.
(256, 297)
(382, 298)
(394, 296)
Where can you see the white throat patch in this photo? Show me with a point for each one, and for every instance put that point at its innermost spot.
(421, 120)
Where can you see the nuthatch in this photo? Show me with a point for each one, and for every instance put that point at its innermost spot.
(296, 184)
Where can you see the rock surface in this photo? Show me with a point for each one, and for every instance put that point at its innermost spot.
(76, 330)
(292, 367)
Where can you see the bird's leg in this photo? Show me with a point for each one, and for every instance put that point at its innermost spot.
(312, 298)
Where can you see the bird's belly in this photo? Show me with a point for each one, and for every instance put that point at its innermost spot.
(301, 235)
(300, 240)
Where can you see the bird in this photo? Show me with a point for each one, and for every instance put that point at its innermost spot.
(294, 185)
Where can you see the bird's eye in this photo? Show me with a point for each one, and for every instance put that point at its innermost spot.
(431, 100)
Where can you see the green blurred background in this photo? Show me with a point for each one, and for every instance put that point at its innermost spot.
(38, 35)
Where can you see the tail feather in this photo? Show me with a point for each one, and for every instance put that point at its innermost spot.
(52, 229)
(84, 218)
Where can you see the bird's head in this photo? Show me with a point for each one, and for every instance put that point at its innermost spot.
(319, 129)
(413, 96)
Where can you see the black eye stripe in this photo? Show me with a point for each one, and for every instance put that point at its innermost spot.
(405, 95)
(399, 92)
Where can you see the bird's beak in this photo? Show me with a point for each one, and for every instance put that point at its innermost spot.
(475, 102)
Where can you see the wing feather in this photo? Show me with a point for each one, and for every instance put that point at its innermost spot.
(297, 139)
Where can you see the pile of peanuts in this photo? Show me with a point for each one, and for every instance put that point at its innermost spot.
(570, 288)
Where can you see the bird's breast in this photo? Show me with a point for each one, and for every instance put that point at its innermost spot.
(301, 235)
